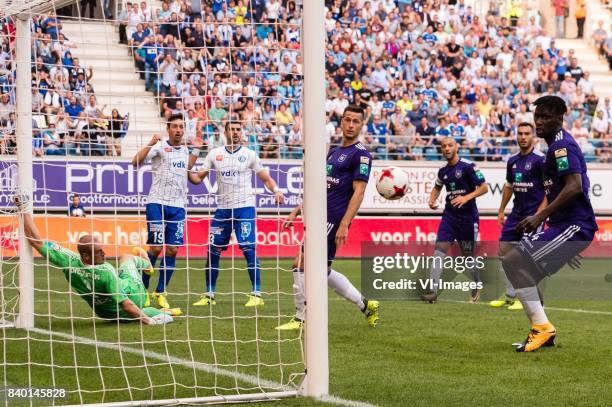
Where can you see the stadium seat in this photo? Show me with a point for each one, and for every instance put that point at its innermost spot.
(431, 154)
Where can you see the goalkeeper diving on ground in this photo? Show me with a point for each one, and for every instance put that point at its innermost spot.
(111, 295)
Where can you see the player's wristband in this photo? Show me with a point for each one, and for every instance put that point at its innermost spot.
(276, 190)
(196, 152)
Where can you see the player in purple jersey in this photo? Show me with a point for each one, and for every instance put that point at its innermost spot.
(348, 171)
(571, 221)
(523, 179)
(464, 183)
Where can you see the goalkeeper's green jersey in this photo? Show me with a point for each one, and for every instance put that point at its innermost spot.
(98, 285)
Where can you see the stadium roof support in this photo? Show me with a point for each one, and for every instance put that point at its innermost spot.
(16, 7)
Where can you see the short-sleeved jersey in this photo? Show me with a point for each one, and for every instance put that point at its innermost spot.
(524, 173)
(234, 172)
(78, 210)
(345, 165)
(169, 166)
(460, 179)
(562, 158)
(98, 285)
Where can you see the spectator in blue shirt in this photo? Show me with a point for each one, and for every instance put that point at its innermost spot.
(51, 25)
(152, 55)
(73, 108)
(379, 129)
(76, 208)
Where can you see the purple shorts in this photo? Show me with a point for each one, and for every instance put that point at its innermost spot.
(552, 248)
(508, 234)
(332, 229)
(464, 232)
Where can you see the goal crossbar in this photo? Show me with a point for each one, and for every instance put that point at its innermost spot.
(17, 7)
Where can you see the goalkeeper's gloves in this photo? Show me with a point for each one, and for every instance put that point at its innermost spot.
(22, 201)
(161, 319)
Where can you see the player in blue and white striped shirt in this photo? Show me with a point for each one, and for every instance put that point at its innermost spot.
(170, 163)
(234, 166)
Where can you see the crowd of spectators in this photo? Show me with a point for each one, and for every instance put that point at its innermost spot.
(67, 119)
(228, 60)
(422, 69)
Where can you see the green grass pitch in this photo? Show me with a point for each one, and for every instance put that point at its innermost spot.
(449, 353)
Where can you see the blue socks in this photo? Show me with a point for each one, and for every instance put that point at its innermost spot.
(212, 269)
(166, 269)
(253, 268)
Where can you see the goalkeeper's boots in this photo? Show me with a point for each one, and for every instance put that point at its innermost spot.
(539, 336)
(205, 301)
(254, 301)
(162, 302)
(147, 302)
(371, 312)
(175, 312)
(475, 295)
(429, 297)
(516, 306)
(142, 253)
(292, 325)
(162, 319)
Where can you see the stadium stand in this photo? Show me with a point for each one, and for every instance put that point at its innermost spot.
(423, 70)
(68, 119)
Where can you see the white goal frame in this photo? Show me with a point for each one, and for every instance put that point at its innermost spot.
(316, 380)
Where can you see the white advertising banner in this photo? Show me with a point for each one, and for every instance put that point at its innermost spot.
(423, 174)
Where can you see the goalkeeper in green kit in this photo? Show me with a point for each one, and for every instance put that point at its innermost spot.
(111, 296)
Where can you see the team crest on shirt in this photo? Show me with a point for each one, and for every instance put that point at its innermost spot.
(168, 149)
(458, 174)
(528, 166)
(242, 158)
(342, 158)
(219, 157)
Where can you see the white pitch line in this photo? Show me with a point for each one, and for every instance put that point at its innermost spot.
(576, 310)
(254, 380)
(342, 402)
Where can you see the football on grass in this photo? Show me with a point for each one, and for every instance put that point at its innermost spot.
(392, 183)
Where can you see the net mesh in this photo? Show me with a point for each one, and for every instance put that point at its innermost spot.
(99, 93)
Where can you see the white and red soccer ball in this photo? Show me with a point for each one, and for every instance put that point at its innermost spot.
(392, 183)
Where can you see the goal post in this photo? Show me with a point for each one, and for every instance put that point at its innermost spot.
(25, 318)
(315, 200)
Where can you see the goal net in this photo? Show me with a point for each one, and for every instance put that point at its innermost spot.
(84, 87)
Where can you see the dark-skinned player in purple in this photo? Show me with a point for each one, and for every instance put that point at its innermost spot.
(570, 220)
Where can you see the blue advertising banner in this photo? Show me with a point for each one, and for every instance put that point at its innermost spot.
(117, 185)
